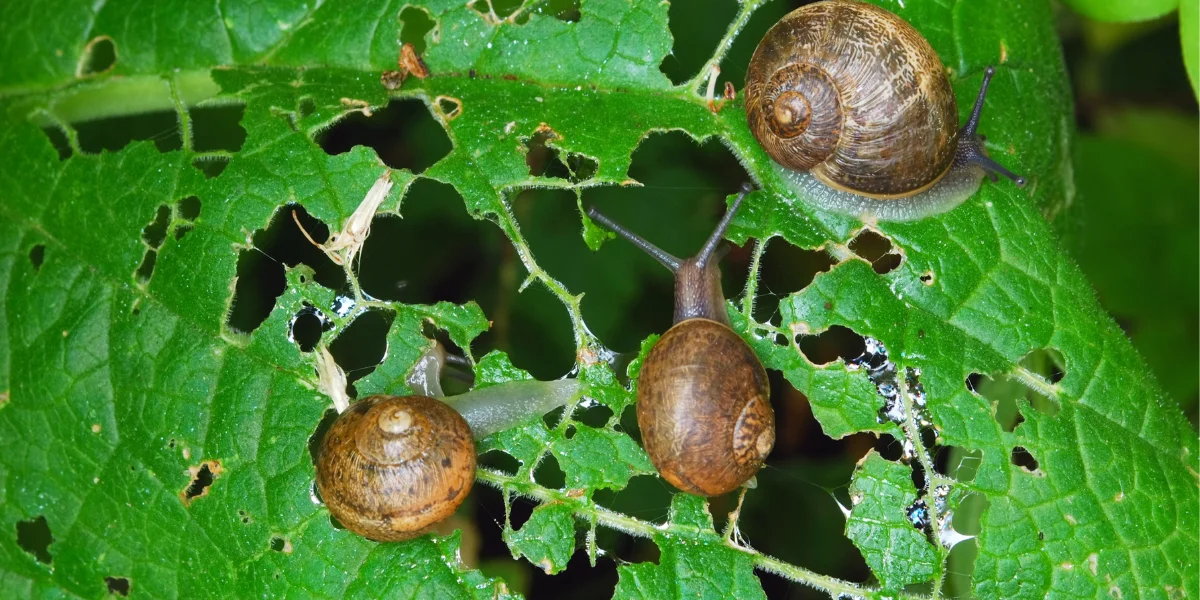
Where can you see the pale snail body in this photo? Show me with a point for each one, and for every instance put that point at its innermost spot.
(855, 108)
(390, 468)
(703, 398)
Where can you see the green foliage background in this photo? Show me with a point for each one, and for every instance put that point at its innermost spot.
(120, 375)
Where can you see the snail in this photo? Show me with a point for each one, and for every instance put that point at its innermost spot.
(856, 110)
(390, 468)
(702, 395)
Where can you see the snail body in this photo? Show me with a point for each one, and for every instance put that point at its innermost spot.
(703, 398)
(390, 468)
(856, 110)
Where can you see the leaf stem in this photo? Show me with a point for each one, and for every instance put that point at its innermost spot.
(589, 512)
(739, 22)
(932, 479)
(748, 297)
(135, 94)
(1035, 382)
(583, 337)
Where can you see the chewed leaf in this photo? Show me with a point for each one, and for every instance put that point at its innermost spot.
(879, 524)
(600, 458)
(547, 539)
(695, 563)
(167, 304)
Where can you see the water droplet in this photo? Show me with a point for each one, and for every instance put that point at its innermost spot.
(918, 514)
(343, 305)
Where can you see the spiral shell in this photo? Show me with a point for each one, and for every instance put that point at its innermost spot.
(704, 408)
(855, 95)
(390, 468)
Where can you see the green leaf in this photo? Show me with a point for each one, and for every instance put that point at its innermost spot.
(694, 563)
(1189, 38)
(118, 388)
(1123, 10)
(547, 539)
(599, 458)
(897, 552)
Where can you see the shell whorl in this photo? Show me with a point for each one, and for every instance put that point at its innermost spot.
(392, 467)
(800, 106)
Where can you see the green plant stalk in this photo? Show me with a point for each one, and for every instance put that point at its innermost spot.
(589, 512)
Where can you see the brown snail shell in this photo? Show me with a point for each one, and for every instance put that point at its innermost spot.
(704, 408)
(853, 94)
(390, 467)
(703, 398)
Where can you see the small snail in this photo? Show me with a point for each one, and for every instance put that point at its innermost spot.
(702, 396)
(392, 467)
(857, 111)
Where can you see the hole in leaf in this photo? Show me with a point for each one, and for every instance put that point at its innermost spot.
(544, 160)
(189, 208)
(34, 537)
(958, 463)
(552, 418)
(156, 231)
(307, 328)
(98, 56)
(497, 9)
(403, 134)
(695, 34)
(1007, 393)
(362, 345)
(416, 22)
(541, 157)
(59, 140)
(569, 432)
(245, 517)
(314, 440)
(974, 381)
(1048, 363)
(181, 231)
(889, 448)
(1007, 413)
(146, 269)
(927, 278)
(563, 10)
(629, 423)
(627, 294)
(581, 166)
(117, 585)
(596, 416)
(114, 133)
(211, 165)
(218, 128)
(786, 269)
(1022, 458)
(37, 256)
(203, 476)
(498, 460)
(548, 474)
(832, 344)
(281, 544)
(918, 515)
(961, 561)
(918, 472)
(260, 269)
(876, 249)
(306, 107)
(458, 255)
